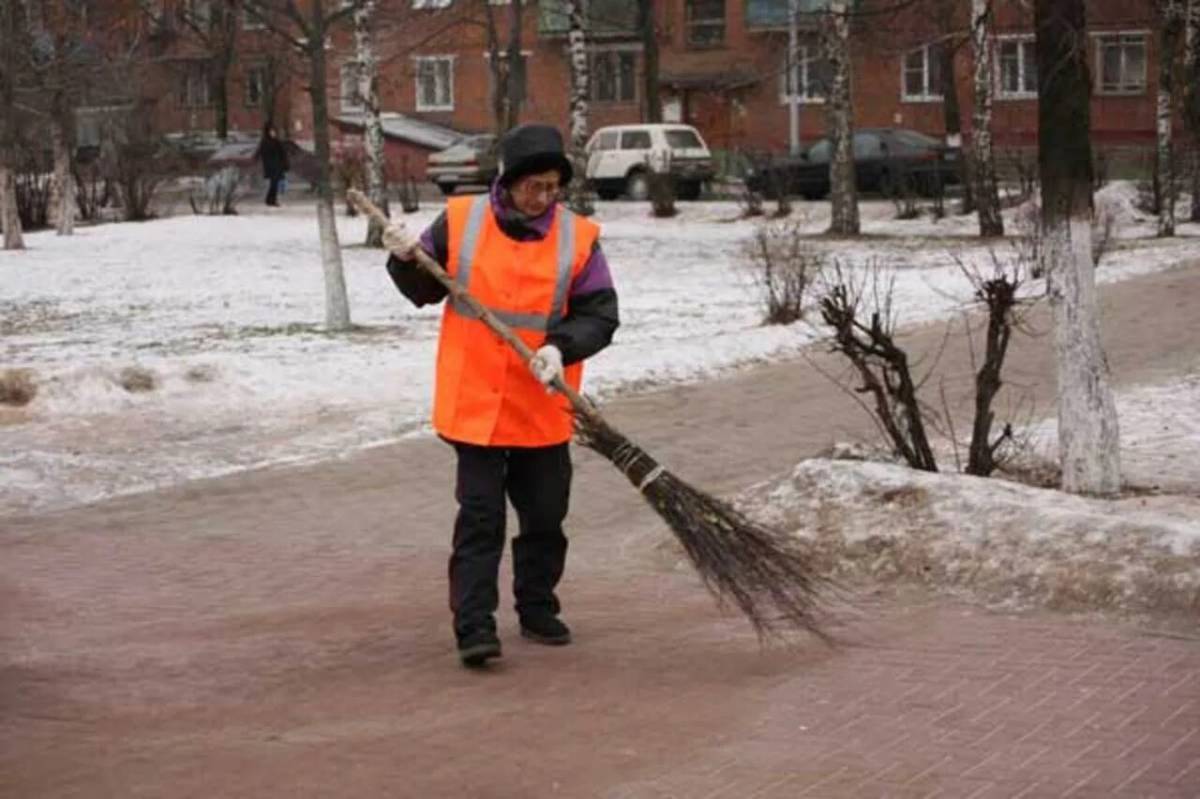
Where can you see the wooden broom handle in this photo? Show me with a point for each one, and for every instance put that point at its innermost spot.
(460, 293)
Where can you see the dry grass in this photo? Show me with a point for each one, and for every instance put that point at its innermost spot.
(17, 387)
(136, 379)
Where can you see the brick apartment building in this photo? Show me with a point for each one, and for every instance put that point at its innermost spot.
(722, 68)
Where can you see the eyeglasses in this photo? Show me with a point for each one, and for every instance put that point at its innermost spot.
(538, 188)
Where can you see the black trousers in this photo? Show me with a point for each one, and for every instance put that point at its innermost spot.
(273, 190)
(537, 481)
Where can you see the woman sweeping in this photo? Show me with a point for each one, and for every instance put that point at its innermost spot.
(539, 267)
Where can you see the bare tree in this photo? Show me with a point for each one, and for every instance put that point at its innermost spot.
(368, 90)
(983, 163)
(1172, 18)
(14, 52)
(1087, 417)
(835, 39)
(648, 29)
(579, 196)
(308, 32)
(1191, 100)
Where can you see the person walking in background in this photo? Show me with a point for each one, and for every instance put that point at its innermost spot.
(539, 267)
(273, 154)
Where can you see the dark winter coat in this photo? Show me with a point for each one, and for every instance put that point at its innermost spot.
(591, 317)
(273, 155)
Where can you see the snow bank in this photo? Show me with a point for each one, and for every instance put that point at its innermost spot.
(1004, 542)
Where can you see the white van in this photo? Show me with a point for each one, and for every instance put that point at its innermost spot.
(620, 156)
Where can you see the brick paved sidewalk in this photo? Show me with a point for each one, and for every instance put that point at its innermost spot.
(285, 633)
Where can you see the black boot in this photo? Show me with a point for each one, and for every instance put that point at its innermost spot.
(545, 629)
(477, 648)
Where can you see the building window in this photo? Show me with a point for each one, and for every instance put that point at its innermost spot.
(350, 97)
(815, 74)
(197, 13)
(922, 77)
(256, 86)
(614, 76)
(1121, 63)
(1017, 67)
(194, 85)
(705, 23)
(435, 83)
(431, 3)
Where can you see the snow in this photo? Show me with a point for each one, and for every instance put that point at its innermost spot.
(1001, 541)
(225, 313)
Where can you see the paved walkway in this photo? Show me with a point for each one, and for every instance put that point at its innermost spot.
(284, 633)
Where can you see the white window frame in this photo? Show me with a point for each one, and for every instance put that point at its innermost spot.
(1022, 93)
(592, 53)
(431, 3)
(348, 77)
(809, 55)
(192, 89)
(927, 71)
(417, 61)
(1120, 35)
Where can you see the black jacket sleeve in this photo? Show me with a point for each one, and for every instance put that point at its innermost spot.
(414, 282)
(589, 325)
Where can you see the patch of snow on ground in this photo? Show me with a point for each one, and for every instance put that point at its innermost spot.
(226, 312)
(1005, 542)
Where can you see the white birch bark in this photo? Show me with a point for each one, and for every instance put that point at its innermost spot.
(63, 200)
(987, 196)
(579, 197)
(1171, 12)
(843, 191)
(1088, 440)
(368, 90)
(10, 220)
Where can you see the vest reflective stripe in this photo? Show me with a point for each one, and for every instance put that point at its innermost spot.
(566, 257)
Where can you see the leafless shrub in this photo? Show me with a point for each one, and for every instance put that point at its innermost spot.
(750, 202)
(999, 294)
(136, 379)
(221, 193)
(32, 185)
(93, 190)
(1023, 167)
(881, 365)
(17, 387)
(783, 264)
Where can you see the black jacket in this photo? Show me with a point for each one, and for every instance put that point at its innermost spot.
(274, 157)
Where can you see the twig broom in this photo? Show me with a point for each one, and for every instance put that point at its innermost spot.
(764, 571)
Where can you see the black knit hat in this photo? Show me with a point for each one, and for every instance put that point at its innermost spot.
(529, 149)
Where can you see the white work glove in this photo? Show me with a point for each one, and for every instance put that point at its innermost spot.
(546, 365)
(400, 240)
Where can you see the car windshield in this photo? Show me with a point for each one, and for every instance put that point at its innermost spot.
(819, 151)
(914, 139)
(683, 139)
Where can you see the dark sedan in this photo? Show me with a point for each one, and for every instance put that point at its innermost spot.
(891, 161)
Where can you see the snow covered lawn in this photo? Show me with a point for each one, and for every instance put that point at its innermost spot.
(222, 316)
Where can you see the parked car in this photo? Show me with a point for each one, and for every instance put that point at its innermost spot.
(890, 161)
(620, 158)
(469, 161)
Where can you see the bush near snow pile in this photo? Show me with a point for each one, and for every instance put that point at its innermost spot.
(17, 387)
(1001, 541)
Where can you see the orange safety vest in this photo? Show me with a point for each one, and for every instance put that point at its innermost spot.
(485, 393)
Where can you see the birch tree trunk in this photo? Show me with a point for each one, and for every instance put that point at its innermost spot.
(63, 201)
(1171, 21)
(579, 197)
(10, 220)
(337, 305)
(983, 162)
(843, 191)
(368, 90)
(1087, 419)
(1191, 103)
